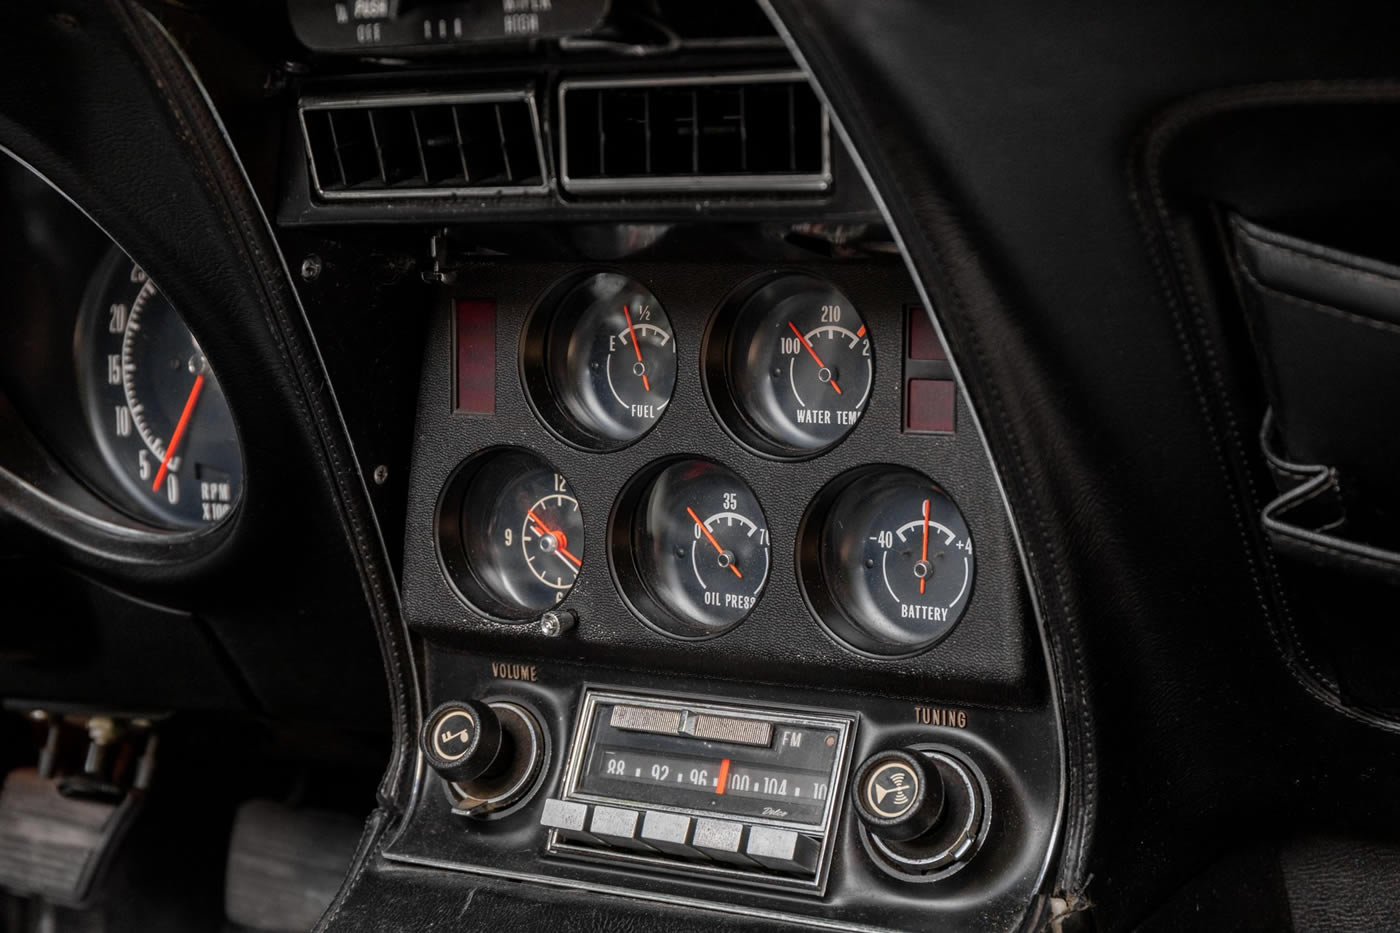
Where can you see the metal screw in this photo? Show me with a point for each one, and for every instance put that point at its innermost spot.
(557, 622)
(311, 268)
(381, 475)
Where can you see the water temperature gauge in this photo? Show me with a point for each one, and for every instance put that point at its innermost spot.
(790, 366)
(886, 561)
(691, 548)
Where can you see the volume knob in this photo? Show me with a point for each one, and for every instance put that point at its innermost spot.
(463, 741)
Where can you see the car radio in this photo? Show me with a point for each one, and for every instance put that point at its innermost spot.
(680, 785)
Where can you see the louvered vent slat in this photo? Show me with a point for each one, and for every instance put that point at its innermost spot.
(711, 133)
(429, 145)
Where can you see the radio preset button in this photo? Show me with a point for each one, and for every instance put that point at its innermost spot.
(617, 827)
(729, 729)
(668, 832)
(568, 818)
(647, 719)
(782, 849)
(721, 840)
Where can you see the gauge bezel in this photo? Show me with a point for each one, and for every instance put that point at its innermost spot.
(812, 578)
(117, 486)
(542, 393)
(717, 380)
(626, 572)
(451, 550)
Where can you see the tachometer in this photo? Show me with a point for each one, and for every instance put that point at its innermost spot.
(153, 401)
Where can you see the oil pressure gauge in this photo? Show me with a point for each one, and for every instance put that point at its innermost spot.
(886, 561)
(600, 361)
(690, 547)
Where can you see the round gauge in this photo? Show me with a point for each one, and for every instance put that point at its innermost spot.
(153, 402)
(691, 548)
(886, 560)
(608, 359)
(511, 534)
(795, 364)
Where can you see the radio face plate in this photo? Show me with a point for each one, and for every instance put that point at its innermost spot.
(739, 766)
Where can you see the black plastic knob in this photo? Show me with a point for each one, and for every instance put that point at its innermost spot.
(463, 741)
(898, 795)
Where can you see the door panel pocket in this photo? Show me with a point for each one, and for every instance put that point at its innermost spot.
(1326, 330)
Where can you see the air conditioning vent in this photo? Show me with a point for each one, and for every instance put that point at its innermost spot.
(424, 145)
(754, 132)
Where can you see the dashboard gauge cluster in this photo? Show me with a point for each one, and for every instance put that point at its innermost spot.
(784, 366)
(153, 402)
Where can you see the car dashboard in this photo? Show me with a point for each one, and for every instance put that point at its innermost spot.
(642, 464)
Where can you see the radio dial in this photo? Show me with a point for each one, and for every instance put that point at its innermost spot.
(924, 811)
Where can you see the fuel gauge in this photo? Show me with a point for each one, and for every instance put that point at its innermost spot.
(601, 362)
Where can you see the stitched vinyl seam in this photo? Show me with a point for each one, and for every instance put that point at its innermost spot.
(1081, 816)
(1290, 648)
(1307, 304)
(1234, 473)
(1321, 256)
(244, 235)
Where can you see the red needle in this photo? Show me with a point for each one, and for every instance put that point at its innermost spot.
(646, 383)
(562, 541)
(820, 364)
(723, 776)
(180, 426)
(924, 557)
(701, 525)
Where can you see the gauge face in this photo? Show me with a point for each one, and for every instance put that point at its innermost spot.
(611, 359)
(701, 548)
(153, 401)
(799, 365)
(511, 534)
(893, 561)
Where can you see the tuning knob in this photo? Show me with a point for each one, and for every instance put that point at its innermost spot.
(490, 754)
(924, 812)
(899, 795)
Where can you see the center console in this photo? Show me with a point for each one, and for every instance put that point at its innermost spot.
(724, 637)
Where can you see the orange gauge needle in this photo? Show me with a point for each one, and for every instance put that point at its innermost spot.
(179, 434)
(646, 383)
(723, 776)
(562, 541)
(820, 364)
(711, 538)
(924, 557)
